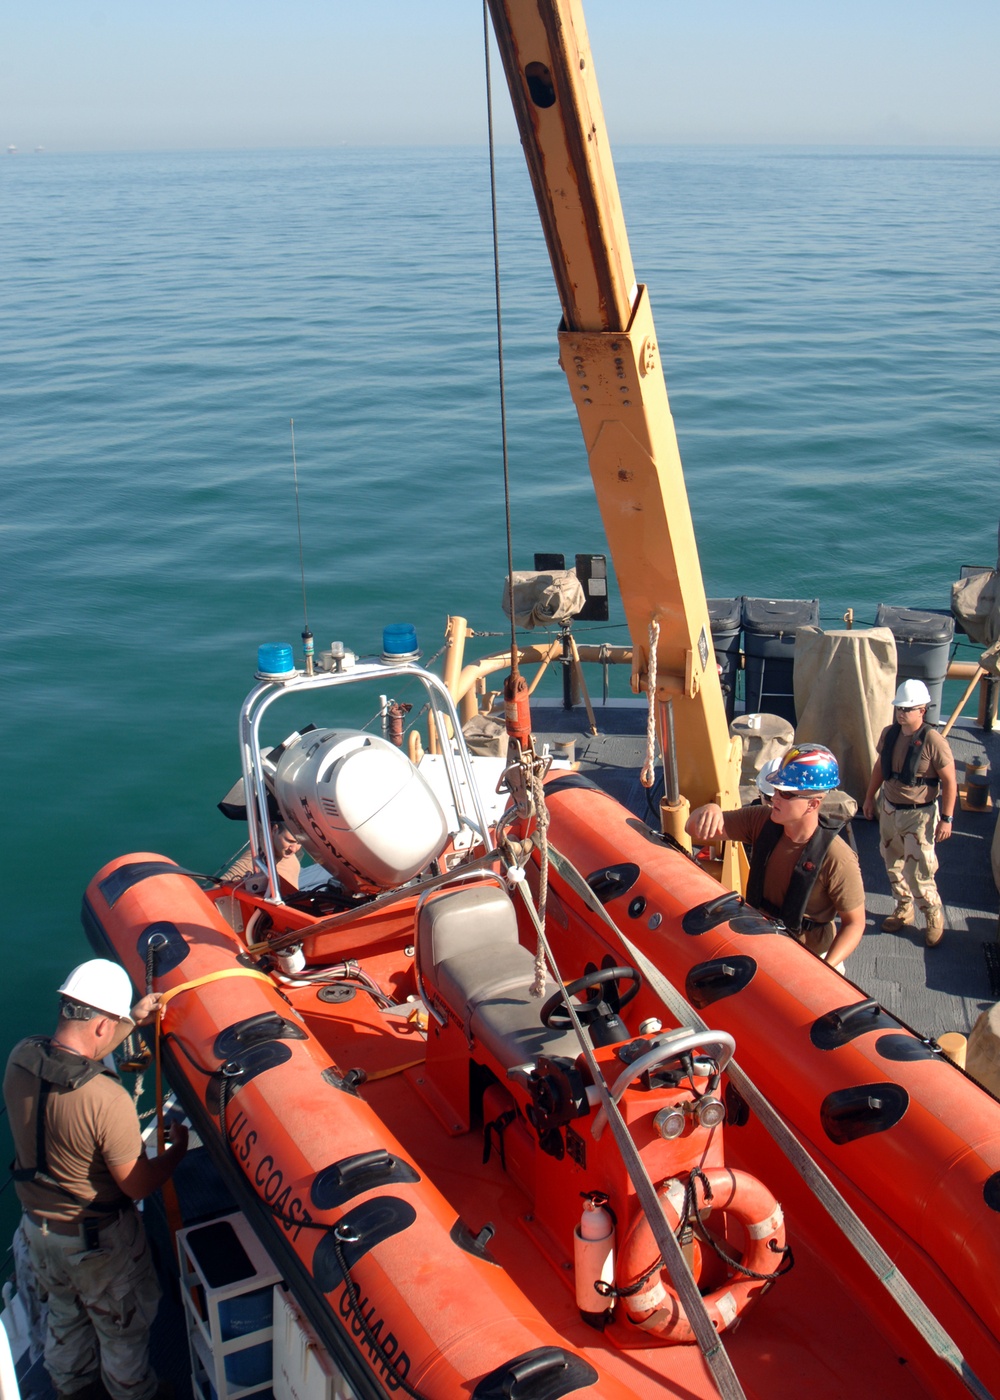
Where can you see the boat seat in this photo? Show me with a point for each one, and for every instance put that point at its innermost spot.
(470, 959)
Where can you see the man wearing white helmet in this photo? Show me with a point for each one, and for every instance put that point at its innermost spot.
(80, 1165)
(801, 871)
(915, 770)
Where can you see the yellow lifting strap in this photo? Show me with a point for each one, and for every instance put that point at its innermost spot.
(165, 999)
(168, 996)
(169, 1191)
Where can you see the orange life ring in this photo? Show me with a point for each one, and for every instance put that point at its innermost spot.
(656, 1307)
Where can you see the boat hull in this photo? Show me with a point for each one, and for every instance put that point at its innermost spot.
(923, 1170)
(405, 1297)
(301, 1150)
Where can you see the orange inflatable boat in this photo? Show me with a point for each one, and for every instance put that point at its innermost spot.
(425, 1146)
(474, 1186)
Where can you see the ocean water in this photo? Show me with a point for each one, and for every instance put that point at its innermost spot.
(829, 325)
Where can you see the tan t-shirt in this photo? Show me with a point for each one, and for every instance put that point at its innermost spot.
(838, 888)
(289, 868)
(933, 758)
(86, 1130)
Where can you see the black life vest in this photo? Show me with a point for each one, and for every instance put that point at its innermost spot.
(60, 1070)
(805, 872)
(907, 775)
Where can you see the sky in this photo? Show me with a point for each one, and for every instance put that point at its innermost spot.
(105, 75)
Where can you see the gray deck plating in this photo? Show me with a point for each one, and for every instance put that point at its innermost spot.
(933, 990)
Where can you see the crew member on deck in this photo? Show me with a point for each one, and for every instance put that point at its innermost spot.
(286, 855)
(801, 871)
(80, 1164)
(914, 762)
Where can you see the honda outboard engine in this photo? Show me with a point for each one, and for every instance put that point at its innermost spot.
(360, 807)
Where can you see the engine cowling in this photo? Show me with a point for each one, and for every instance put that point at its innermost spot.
(360, 807)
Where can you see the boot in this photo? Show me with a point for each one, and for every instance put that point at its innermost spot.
(93, 1390)
(934, 932)
(902, 915)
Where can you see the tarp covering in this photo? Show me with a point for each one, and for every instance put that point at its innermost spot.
(844, 684)
(763, 737)
(487, 735)
(543, 598)
(975, 602)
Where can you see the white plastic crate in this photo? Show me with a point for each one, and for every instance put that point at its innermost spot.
(227, 1279)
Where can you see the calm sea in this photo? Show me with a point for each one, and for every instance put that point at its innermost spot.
(829, 322)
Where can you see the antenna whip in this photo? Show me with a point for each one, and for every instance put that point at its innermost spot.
(307, 637)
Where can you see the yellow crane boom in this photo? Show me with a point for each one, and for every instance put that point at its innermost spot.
(609, 352)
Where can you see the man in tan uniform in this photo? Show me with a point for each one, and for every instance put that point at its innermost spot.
(801, 871)
(286, 856)
(913, 764)
(79, 1167)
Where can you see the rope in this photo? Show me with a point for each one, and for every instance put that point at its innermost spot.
(542, 831)
(691, 1216)
(648, 775)
(499, 317)
(862, 1240)
(228, 1073)
(716, 1357)
(371, 1337)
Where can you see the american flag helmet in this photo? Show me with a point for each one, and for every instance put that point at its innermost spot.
(806, 768)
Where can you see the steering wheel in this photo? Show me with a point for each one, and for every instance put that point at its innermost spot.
(554, 1015)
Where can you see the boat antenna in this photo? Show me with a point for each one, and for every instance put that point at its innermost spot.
(515, 688)
(307, 636)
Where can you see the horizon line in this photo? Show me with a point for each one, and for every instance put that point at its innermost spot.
(13, 149)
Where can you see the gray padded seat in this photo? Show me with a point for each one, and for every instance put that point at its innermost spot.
(468, 953)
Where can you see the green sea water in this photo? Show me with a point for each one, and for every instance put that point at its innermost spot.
(829, 325)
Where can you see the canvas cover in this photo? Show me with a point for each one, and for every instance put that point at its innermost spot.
(486, 735)
(541, 599)
(762, 738)
(975, 602)
(844, 684)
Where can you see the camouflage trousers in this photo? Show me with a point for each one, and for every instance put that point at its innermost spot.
(101, 1306)
(907, 846)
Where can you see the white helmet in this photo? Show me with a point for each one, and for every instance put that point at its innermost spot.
(910, 694)
(101, 984)
(764, 786)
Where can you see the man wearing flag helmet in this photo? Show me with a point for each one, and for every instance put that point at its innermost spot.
(916, 771)
(801, 871)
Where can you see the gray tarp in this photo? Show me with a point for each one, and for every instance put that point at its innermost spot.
(844, 684)
(975, 602)
(541, 599)
(763, 737)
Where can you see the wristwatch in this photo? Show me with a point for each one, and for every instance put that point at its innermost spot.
(945, 817)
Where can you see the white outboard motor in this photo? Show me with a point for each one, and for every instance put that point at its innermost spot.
(362, 810)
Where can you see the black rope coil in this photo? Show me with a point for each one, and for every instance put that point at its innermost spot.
(690, 1218)
(228, 1074)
